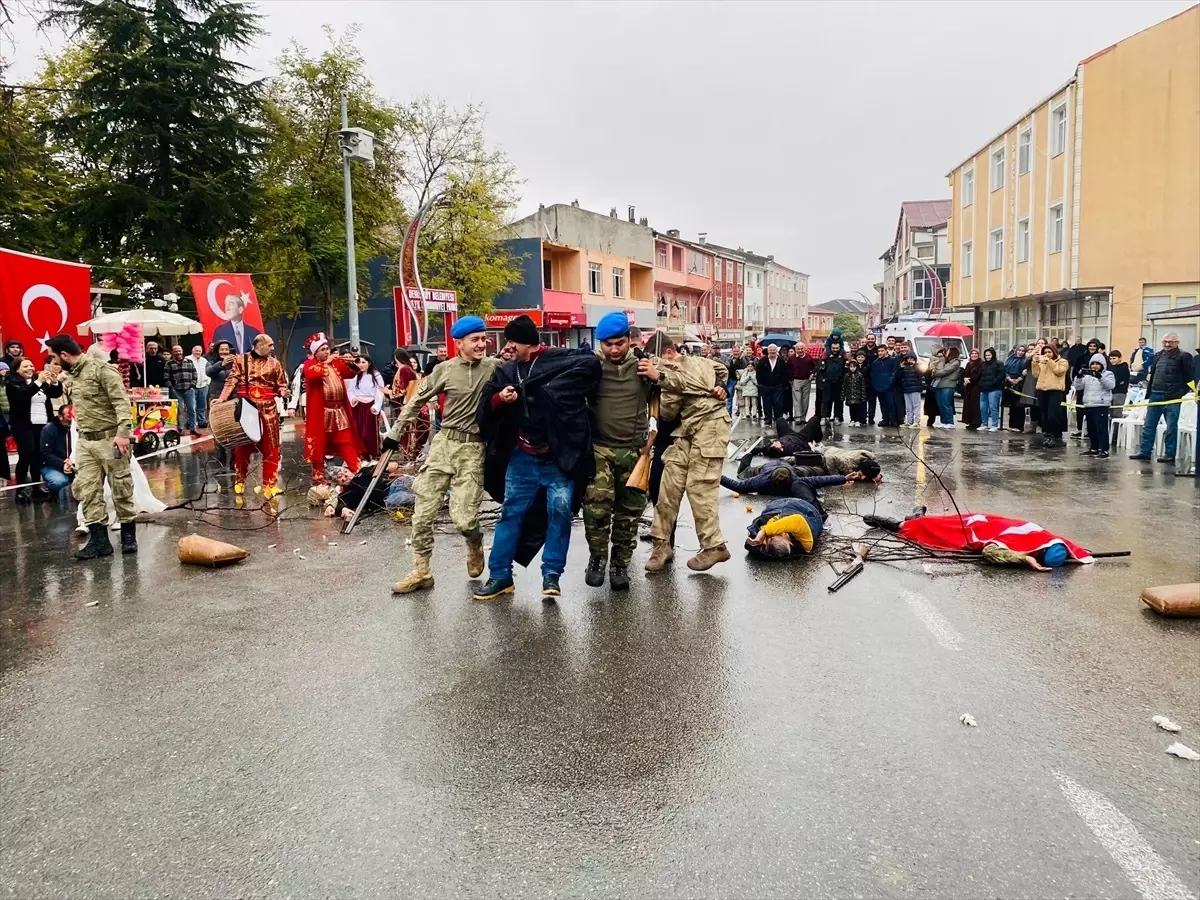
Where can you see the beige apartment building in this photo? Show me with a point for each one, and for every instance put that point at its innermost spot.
(1083, 216)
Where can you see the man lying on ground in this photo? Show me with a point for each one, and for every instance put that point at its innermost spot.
(787, 528)
(781, 479)
(346, 490)
(997, 540)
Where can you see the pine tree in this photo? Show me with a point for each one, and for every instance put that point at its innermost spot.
(165, 124)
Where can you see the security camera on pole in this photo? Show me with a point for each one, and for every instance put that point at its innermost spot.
(357, 143)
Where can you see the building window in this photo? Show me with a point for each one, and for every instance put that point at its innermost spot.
(996, 249)
(677, 259)
(729, 309)
(1154, 305)
(1023, 240)
(758, 279)
(1054, 230)
(1058, 130)
(968, 184)
(547, 282)
(997, 169)
(618, 282)
(594, 277)
(967, 257)
(925, 251)
(729, 272)
(1024, 151)
(662, 256)
(717, 267)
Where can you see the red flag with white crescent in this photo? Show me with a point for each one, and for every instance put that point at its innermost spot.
(40, 298)
(228, 309)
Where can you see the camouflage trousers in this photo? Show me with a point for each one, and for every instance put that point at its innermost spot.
(691, 468)
(610, 506)
(453, 464)
(95, 463)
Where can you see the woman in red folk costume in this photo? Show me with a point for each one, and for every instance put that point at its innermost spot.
(328, 427)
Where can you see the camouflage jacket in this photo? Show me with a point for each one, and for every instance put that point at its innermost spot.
(687, 383)
(97, 392)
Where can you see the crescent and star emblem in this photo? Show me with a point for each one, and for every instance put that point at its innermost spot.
(49, 292)
(219, 308)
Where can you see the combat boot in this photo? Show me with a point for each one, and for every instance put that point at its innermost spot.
(618, 576)
(594, 577)
(129, 537)
(98, 543)
(706, 559)
(419, 579)
(659, 557)
(474, 555)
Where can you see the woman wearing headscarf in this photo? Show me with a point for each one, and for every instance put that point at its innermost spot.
(1016, 367)
(971, 372)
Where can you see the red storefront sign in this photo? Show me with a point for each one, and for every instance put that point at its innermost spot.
(497, 319)
(559, 319)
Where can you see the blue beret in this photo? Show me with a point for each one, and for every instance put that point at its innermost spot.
(467, 326)
(1055, 555)
(614, 325)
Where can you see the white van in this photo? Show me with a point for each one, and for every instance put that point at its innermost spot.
(924, 345)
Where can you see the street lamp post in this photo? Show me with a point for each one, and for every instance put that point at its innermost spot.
(356, 143)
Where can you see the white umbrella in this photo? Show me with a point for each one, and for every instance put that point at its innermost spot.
(153, 321)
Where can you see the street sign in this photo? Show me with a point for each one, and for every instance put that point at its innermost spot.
(434, 300)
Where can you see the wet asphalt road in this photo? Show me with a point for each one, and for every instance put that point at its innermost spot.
(287, 728)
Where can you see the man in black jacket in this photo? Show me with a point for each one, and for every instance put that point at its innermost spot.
(773, 383)
(830, 373)
(536, 421)
(57, 469)
(1170, 374)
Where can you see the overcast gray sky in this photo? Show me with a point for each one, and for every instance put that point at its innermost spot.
(787, 128)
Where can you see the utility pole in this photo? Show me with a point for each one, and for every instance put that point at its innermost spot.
(351, 266)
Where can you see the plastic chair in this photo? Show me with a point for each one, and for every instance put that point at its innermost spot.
(1129, 426)
(1185, 448)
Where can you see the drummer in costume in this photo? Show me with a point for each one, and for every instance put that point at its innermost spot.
(693, 388)
(258, 376)
(327, 423)
(455, 458)
(622, 417)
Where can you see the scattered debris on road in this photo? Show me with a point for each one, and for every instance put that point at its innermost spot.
(331, 543)
(92, 603)
(968, 719)
(272, 546)
(362, 543)
(1183, 752)
(1165, 724)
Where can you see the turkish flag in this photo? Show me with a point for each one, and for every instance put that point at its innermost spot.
(40, 298)
(228, 309)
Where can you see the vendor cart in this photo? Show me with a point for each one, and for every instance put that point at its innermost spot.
(155, 420)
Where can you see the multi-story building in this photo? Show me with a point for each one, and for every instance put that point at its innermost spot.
(684, 285)
(785, 299)
(1081, 217)
(920, 249)
(861, 308)
(818, 323)
(579, 266)
(754, 280)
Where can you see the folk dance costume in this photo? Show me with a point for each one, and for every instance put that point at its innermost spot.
(260, 379)
(327, 421)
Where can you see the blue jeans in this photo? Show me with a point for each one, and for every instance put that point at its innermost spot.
(56, 482)
(187, 408)
(1169, 413)
(945, 401)
(202, 406)
(989, 407)
(730, 386)
(526, 474)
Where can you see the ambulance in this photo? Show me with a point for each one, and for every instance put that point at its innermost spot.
(927, 336)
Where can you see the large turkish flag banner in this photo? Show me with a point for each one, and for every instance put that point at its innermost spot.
(228, 309)
(40, 298)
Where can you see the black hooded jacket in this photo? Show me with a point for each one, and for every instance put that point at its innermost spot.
(560, 386)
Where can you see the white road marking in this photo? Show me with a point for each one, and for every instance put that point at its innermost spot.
(1150, 875)
(945, 633)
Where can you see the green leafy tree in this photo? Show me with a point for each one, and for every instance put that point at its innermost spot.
(162, 128)
(299, 230)
(851, 326)
(446, 153)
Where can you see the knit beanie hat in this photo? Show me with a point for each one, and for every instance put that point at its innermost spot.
(521, 330)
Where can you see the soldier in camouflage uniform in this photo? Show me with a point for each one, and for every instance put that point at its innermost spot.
(455, 458)
(693, 389)
(622, 416)
(97, 392)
